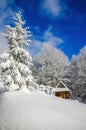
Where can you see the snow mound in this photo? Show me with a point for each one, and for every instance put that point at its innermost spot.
(2, 89)
(25, 90)
(23, 111)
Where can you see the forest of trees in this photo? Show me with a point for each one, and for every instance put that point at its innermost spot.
(49, 67)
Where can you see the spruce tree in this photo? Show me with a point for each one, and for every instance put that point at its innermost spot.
(16, 61)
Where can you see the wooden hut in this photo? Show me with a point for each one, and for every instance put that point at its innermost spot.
(61, 90)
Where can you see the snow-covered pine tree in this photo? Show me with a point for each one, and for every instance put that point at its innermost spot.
(16, 61)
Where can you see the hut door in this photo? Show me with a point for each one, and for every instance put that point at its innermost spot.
(62, 95)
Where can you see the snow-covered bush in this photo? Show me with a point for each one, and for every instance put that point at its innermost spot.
(45, 89)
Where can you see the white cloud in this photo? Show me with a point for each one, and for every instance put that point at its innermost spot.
(51, 38)
(6, 13)
(5, 18)
(52, 7)
(36, 46)
(3, 44)
(48, 37)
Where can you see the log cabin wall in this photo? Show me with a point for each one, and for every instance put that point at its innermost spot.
(63, 94)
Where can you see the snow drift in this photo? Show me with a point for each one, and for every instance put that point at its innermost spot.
(24, 111)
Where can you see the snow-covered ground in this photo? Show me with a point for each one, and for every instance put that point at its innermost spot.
(24, 111)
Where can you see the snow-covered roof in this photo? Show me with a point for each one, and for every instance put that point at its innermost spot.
(61, 89)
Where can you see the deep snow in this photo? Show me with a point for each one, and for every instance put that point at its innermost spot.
(37, 111)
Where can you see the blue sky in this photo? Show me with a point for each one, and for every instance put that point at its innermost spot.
(62, 23)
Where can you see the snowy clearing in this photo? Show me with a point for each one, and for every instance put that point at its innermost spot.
(23, 111)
